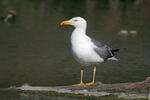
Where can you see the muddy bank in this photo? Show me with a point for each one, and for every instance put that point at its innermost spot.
(124, 90)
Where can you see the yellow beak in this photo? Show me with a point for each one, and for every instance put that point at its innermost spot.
(65, 23)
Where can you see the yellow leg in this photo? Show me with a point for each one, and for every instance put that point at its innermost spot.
(81, 82)
(93, 81)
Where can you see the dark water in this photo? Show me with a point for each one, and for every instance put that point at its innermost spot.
(36, 49)
(12, 95)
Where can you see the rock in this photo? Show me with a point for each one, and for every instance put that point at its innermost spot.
(132, 32)
(10, 17)
(125, 90)
(124, 33)
(127, 33)
(147, 80)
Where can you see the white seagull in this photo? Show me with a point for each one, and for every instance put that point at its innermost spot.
(87, 51)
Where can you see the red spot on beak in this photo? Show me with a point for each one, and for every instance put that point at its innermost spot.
(62, 24)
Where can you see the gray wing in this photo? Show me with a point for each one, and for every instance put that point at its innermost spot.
(102, 50)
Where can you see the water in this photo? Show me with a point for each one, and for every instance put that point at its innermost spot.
(22, 96)
(36, 49)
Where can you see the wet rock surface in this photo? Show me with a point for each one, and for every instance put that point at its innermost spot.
(125, 90)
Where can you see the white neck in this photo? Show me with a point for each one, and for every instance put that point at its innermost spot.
(78, 35)
(79, 30)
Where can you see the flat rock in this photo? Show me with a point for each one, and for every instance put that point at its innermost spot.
(124, 90)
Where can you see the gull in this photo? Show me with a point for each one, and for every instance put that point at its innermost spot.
(86, 50)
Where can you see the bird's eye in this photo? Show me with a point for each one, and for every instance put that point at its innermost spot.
(75, 20)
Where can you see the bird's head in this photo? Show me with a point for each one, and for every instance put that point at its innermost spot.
(77, 22)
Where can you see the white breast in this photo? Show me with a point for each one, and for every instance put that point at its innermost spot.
(82, 48)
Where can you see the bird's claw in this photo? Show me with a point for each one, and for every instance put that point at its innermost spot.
(80, 84)
(90, 84)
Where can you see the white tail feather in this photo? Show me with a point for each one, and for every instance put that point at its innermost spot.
(113, 58)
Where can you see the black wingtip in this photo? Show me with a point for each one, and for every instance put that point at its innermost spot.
(118, 49)
(115, 50)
